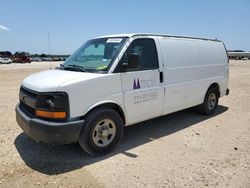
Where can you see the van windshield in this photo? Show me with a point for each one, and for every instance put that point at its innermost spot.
(95, 55)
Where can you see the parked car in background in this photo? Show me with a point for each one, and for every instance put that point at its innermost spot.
(5, 61)
(62, 59)
(38, 59)
(46, 59)
(55, 59)
(21, 57)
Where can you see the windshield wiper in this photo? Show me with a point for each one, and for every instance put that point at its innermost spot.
(75, 67)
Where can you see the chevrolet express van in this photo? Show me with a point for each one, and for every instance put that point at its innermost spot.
(114, 81)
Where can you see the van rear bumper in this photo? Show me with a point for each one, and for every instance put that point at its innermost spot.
(47, 131)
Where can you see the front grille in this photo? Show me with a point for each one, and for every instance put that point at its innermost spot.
(27, 109)
(29, 93)
(32, 100)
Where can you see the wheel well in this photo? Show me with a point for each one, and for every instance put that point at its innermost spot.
(216, 86)
(113, 106)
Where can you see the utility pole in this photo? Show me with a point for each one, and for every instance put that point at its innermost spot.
(49, 48)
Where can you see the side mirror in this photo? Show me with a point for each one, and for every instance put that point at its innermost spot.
(132, 62)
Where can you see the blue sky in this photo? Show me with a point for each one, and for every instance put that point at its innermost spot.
(24, 24)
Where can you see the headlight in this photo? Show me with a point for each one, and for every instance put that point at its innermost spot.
(53, 105)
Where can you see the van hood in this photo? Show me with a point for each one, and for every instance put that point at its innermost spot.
(50, 80)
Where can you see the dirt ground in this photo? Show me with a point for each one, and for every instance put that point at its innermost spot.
(183, 149)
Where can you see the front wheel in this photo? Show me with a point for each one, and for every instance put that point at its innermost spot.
(210, 102)
(102, 131)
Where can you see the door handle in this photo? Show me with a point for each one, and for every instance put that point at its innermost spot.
(161, 76)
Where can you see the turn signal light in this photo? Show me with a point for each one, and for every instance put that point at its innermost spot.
(48, 114)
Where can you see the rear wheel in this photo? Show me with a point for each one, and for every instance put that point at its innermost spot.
(210, 102)
(102, 131)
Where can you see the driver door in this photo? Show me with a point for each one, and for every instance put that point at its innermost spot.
(142, 86)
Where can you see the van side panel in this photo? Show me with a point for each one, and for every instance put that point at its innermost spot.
(191, 66)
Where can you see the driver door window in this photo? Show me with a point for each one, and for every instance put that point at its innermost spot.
(146, 51)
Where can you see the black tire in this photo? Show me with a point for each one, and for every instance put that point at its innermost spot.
(88, 136)
(208, 107)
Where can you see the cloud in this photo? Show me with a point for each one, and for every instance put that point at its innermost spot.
(4, 28)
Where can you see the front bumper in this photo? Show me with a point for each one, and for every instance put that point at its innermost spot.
(47, 131)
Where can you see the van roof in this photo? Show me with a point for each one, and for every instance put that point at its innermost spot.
(159, 35)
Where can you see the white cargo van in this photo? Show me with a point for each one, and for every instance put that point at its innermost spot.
(118, 80)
